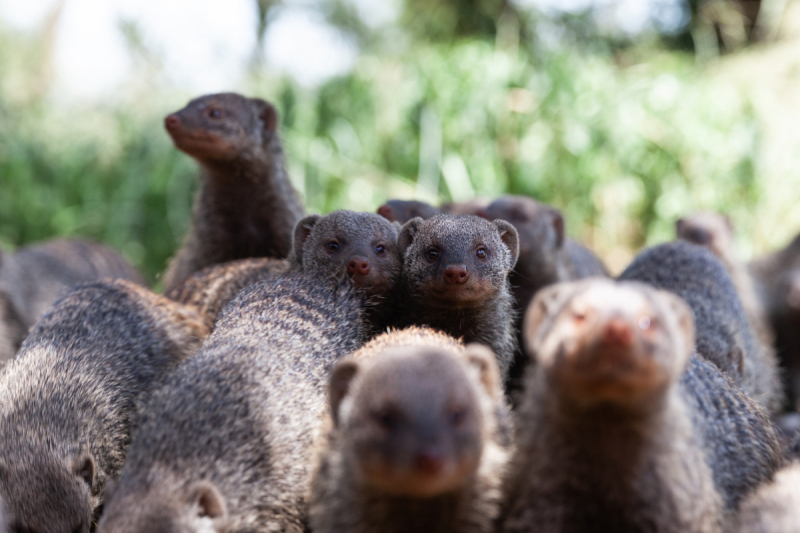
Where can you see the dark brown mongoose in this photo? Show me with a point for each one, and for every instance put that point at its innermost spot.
(68, 402)
(414, 443)
(455, 279)
(226, 444)
(246, 206)
(774, 507)
(723, 333)
(404, 210)
(622, 427)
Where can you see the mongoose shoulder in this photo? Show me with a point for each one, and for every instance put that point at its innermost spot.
(622, 427)
(723, 333)
(70, 399)
(246, 205)
(414, 441)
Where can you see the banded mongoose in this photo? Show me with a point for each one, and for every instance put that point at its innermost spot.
(404, 210)
(622, 427)
(455, 279)
(70, 399)
(465, 207)
(774, 507)
(340, 245)
(33, 277)
(246, 206)
(414, 443)
(227, 444)
(723, 333)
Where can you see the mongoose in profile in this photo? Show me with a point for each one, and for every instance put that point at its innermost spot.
(70, 399)
(622, 427)
(226, 444)
(774, 507)
(246, 206)
(33, 277)
(455, 279)
(404, 210)
(414, 443)
(723, 333)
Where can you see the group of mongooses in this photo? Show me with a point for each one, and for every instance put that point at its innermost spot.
(466, 368)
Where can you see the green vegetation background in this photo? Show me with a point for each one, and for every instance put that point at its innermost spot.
(623, 139)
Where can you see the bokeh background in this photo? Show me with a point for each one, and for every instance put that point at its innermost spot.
(625, 114)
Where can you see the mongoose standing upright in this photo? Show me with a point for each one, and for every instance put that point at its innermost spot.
(622, 427)
(226, 444)
(723, 333)
(246, 206)
(404, 210)
(774, 507)
(415, 439)
(455, 279)
(70, 399)
(33, 277)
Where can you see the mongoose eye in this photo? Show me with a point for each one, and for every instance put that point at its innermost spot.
(386, 419)
(432, 254)
(215, 112)
(332, 246)
(458, 416)
(380, 249)
(645, 322)
(481, 253)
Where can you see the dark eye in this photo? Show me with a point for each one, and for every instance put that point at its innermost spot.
(458, 416)
(432, 254)
(481, 253)
(380, 249)
(214, 112)
(386, 419)
(332, 246)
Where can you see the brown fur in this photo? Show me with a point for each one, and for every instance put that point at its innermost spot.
(774, 508)
(467, 207)
(402, 211)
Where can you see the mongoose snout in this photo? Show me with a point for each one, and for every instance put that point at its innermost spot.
(456, 274)
(358, 266)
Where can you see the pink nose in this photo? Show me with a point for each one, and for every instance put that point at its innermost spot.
(456, 274)
(617, 333)
(358, 265)
(430, 462)
(386, 212)
(172, 122)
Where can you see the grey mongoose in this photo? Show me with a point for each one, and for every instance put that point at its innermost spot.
(623, 427)
(68, 402)
(723, 333)
(34, 276)
(455, 279)
(246, 206)
(414, 442)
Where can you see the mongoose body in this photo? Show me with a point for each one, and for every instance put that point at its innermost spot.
(246, 206)
(415, 440)
(774, 507)
(455, 279)
(33, 277)
(622, 427)
(68, 402)
(404, 210)
(226, 444)
(723, 333)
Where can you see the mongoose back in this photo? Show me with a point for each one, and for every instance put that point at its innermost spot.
(455, 279)
(774, 507)
(226, 444)
(414, 443)
(68, 402)
(246, 206)
(723, 333)
(622, 428)
(404, 210)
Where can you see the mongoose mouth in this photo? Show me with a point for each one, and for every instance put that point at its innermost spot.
(201, 144)
(419, 481)
(467, 295)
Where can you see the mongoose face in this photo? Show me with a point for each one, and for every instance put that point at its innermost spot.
(222, 127)
(404, 210)
(602, 342)
(46, 494)
(360, 246)
(712, 230)
(457, 261)
(411, 420)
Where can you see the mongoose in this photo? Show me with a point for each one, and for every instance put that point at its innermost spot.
(246, 206)
(70, 399)
(414, 443)
(723, 333)
(784, 314)
(227, 443)
(33, 277)
(622, 427)
(455, 279)
(467, 207)
(404, 210)
(774, 507)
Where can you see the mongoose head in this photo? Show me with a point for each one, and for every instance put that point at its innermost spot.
(45, 493)
(605, 342)
(413, 420)
(196, 507)
(712, 230)
(404, 210)
(467, 207)
(541, 232)
(457, 261)
(347, 244)
(221, 128)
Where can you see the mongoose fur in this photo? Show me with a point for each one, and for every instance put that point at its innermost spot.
(404, 210)
(774, 507)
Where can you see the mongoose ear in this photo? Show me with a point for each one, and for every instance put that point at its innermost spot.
(485, 361)
(301, 232)
(683, 317)
(407, 234)
(339, 384)
(558, 226)
(679, 227)
(482, 213)
(268, 115)
(209, 502)
(544, 305)
(510, 237)
(83, 467)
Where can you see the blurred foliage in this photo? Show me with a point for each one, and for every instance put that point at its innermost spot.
(623, 140)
